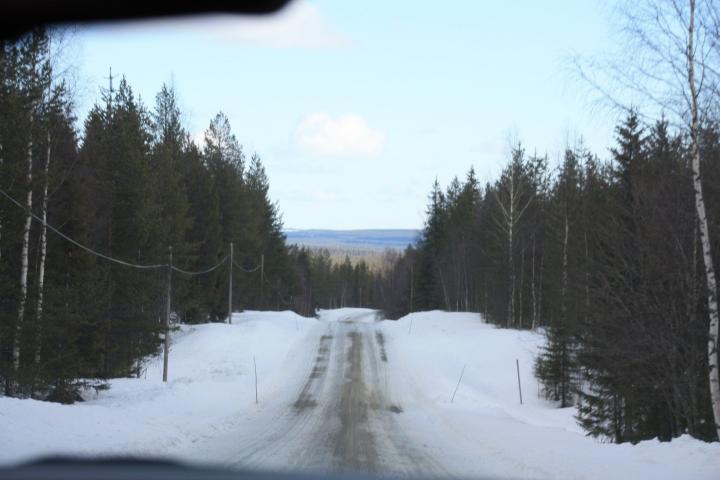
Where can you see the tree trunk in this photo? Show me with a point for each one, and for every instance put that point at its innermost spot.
(563, 317)
(43, 254)
(521, 286)
(456, 286)
(532, 288)
(466, 282)
(486, 298)
(511, 221)
(714, 380)
(587, 278)
(564, 286)
(444, 289)
(24, 257)
(2, 162)
(540, 289)
(412, 283)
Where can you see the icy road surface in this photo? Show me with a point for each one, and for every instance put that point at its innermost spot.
(344, 416)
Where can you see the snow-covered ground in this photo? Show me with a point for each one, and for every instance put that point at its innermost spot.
(210, 389)
(486, 431)
(207, 410)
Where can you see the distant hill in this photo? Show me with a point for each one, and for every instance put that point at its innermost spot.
(374, 239)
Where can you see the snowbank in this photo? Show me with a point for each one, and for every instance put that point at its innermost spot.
(210, 389)
(485, 431)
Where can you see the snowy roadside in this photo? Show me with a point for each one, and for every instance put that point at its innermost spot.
(211, 389)
(485, 431)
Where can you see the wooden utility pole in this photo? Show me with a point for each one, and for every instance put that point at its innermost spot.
(230, 279)
(168, 306)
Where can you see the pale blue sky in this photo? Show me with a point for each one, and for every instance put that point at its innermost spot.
(355, 107)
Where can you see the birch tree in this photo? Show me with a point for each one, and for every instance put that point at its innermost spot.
(513, 200)
(43, 250)
(25, 247)
(702, 215)
(36, 70)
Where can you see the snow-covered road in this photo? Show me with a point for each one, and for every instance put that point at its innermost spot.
(342, 418)
(345, 392)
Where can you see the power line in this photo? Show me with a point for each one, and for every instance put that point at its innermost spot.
(102, 255)
(75, 242)
(245, 269)
(169, 266)
(202, 272)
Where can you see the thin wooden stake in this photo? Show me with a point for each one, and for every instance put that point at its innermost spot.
(517, 365)
(256, 390)
(386, 382)
(458, 384)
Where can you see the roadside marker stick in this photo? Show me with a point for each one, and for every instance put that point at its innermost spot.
(517, 365)
(458, 384)
(386, 382)
(256, 390)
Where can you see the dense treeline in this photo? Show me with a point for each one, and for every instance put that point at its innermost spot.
(616, 260)
(605, 257)
(130, 185)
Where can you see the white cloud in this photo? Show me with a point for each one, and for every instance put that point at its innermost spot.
(299, 25)
(347, 135)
